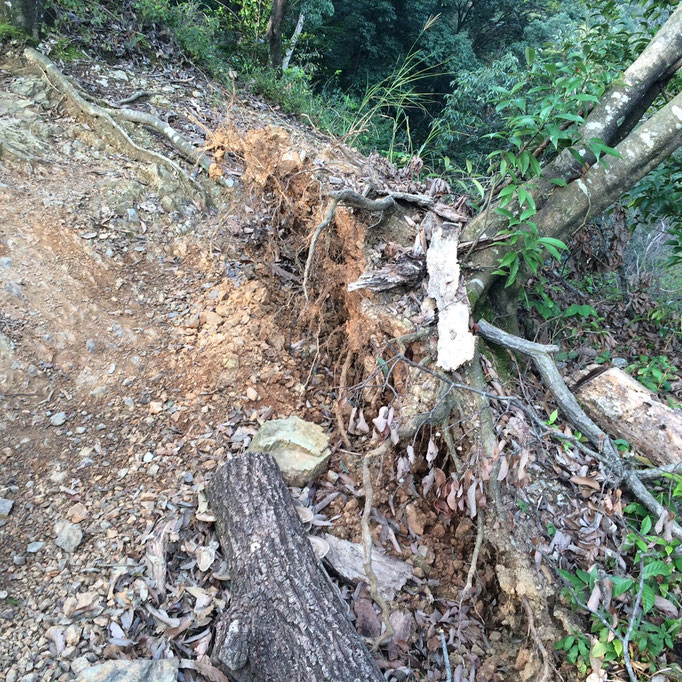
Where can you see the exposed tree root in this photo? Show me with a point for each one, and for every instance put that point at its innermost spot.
(613, 467)
(349, 198)
(60, 83)
(538, 642)
(367, 546)
(340, 401)
(193, 154)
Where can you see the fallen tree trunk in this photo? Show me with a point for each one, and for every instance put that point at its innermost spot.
(621, 405)
(285, 622)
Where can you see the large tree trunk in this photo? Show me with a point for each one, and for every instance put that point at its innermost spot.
(285, 622)
(275, 32)
(569, 208)
(24, 14)
(622, 406)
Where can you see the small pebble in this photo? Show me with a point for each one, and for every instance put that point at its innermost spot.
(58, 418)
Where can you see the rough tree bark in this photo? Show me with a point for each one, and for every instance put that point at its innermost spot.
(274, 32)
(24, 14)
(285, 622)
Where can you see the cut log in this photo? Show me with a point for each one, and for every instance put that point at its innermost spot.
(626, 409)
(285, 622)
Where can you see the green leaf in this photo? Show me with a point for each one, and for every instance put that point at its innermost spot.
(559, 182)
(553, 251)
(509, 189)
(557, 243)
(646, 525)
(599, 649)
(479, 187)
(618, 647)
(648, 598)
(597, 146)
(527, 214)
(620, 585)
(571, 117)
(535, 166)
(525, 197)
(529, 53)
(657, 567)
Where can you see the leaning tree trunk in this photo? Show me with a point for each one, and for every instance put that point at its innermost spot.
(562, 211)
(24, 14)
(285, 622)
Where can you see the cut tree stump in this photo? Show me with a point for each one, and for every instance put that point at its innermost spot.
(285, 621)
(626, 409)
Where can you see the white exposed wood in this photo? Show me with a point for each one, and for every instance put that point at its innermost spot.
(455, 341)
(621, 405)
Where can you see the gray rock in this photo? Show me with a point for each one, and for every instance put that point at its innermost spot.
(347, 560)
(34, 547)
(69, 535)
(19, 560)
(619, 362)
(90, 346)
(131, 671)
(300, 448)
(58, 418)
(5, 507)
(15, 289)
(80, 665)
(5, 262)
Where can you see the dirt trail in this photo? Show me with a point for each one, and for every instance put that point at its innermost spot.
(141, 339)
(137, 344)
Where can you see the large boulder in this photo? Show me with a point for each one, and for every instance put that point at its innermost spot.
(300, 448)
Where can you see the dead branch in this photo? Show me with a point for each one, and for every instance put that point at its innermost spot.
(480, 526)
(613, 469)
(59, 82)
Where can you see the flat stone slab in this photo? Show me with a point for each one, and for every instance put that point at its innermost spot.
(347, 560)
(300, 448)
(131, 671)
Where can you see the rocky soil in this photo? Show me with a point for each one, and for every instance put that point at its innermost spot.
(143, 336)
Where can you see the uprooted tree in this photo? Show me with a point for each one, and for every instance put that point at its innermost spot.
(433, 372)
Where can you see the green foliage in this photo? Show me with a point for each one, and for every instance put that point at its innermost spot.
(10, 32)
(66, 50)
(658, 196)
(655, 578)
(291, 90)
(195, 27)
(654, 372)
